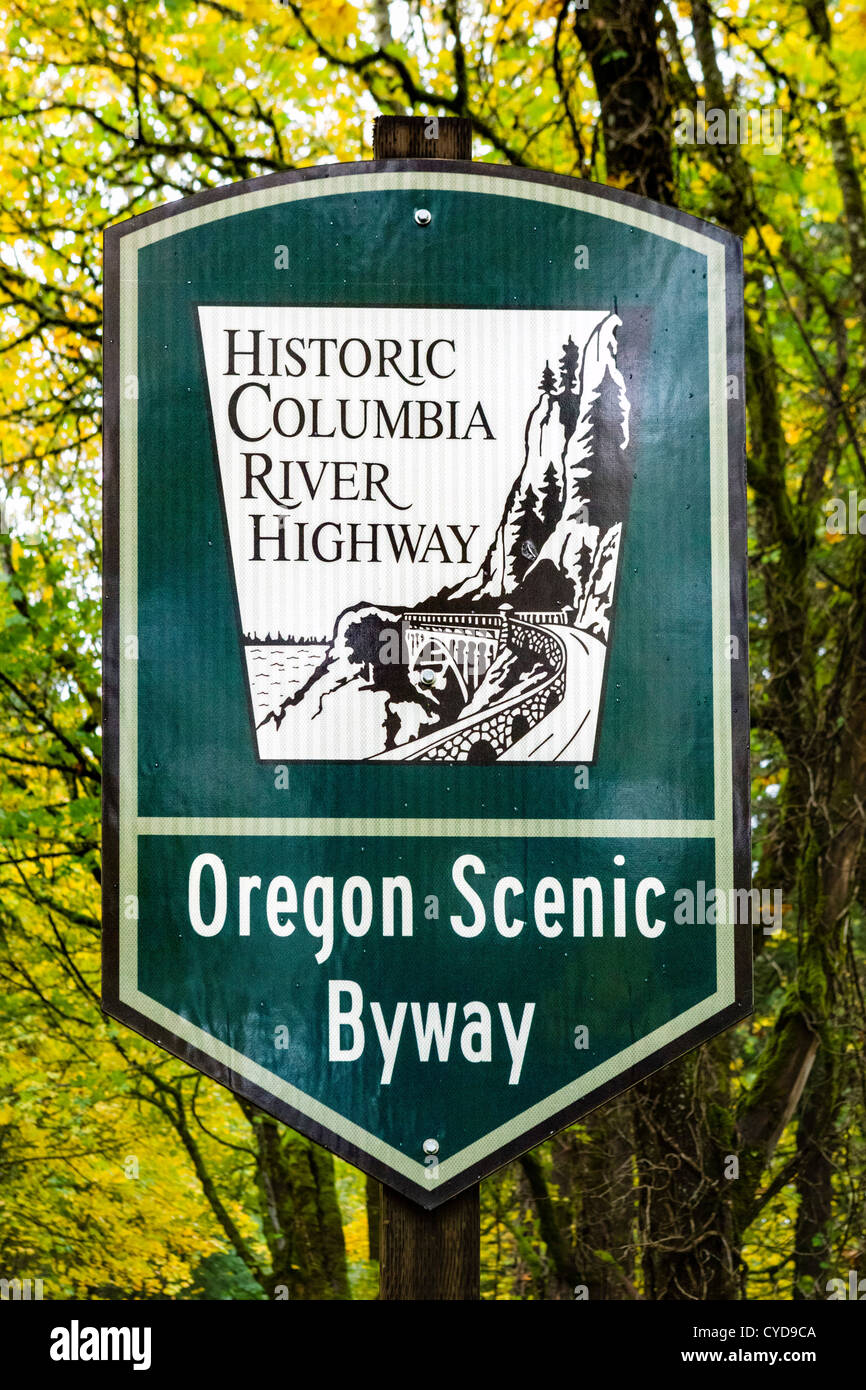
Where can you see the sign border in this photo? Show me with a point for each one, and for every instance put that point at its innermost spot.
(125, 1004)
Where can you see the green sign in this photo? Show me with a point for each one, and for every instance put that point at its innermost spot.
(426, 810)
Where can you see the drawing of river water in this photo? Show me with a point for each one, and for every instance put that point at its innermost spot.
(276, 670)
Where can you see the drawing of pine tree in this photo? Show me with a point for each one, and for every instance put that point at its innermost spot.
(611, 481)
(527, 531)
(569, 399)
(551, 500)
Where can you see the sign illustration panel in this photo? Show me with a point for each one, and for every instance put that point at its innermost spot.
(449, 599)
(426, 811)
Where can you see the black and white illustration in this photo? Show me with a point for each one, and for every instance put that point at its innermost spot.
(425, 510)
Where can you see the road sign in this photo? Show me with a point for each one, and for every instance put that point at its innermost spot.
(426, 803)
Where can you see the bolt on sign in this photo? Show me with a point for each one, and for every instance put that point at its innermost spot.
(426, 814)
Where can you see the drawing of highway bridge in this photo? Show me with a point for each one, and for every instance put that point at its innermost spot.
(465, 643)
(553, 718)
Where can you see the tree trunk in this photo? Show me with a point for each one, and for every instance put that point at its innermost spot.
(815, 1136)
(620, 40)
(301, 1215)
(684, 1144)
(373, 1193)
(606, 1203)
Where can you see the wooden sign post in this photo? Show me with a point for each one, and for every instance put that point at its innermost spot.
(422, 137)
(430, 1255)
(427, 1255)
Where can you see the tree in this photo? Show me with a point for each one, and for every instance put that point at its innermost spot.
(528, 533)
(551, 500)
(548, 380)
(610, 484)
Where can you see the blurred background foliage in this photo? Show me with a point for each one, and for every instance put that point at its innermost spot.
(122, 1173)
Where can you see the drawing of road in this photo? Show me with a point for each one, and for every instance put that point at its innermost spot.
(567, 733)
